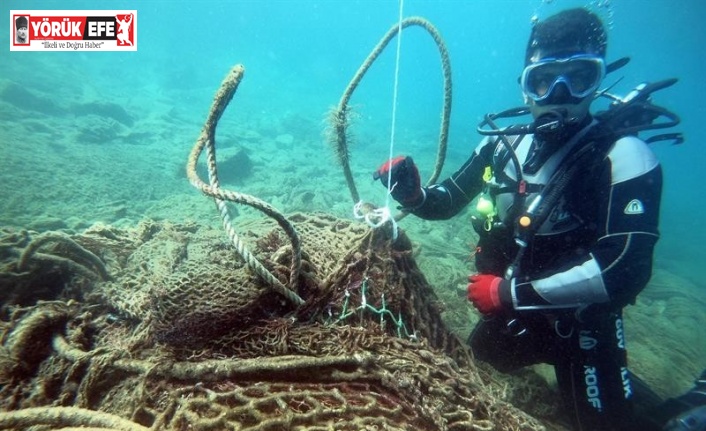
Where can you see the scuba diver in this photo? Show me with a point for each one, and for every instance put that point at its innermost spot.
(567, 216)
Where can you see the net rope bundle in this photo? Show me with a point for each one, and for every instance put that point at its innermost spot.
(105, 354)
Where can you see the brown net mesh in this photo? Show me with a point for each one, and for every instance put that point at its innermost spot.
(184, 336)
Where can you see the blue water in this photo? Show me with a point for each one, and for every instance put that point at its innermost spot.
(300, 55)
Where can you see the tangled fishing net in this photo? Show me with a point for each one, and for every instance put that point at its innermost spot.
(162, 328)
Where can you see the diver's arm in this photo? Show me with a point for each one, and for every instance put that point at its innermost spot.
(619, 265)
(445, 200)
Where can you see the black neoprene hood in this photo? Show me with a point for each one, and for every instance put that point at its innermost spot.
(570, 32)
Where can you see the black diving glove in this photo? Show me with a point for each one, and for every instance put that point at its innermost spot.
(404, 178)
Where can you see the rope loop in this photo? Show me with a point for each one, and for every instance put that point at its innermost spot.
(207, 140)
(339, 134)
(375, 217)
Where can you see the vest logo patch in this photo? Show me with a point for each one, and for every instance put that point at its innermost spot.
(634, 207)
(498, 149)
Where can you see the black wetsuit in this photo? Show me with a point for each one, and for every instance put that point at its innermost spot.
(589, 259)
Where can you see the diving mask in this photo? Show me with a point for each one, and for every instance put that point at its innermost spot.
(581, 74)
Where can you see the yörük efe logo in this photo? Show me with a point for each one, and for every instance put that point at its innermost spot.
(73, 30)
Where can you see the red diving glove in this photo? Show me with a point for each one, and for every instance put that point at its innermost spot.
(404, 176)
(484, 292)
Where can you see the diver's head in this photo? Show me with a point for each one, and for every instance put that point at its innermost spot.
(564, 65)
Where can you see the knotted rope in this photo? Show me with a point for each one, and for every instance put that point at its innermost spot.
(207, 139)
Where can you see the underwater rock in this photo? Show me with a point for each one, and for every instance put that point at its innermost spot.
(247, 135)
(233, 168)
(285, 140)
(47, 222)
(75, 223)
(104, 109)
(98, 131)
(20, 97)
